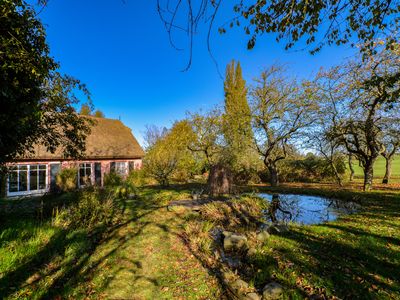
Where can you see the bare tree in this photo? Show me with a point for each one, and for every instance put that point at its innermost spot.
(281, 109)
(356, 102)
(152, 134)
(391, 141)
(329, 148)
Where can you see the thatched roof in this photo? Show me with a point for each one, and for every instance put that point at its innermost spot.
(109, 139)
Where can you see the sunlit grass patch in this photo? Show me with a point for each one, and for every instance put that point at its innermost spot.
(21, 240)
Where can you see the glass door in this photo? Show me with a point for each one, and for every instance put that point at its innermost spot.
(97, 173)
(54, 170)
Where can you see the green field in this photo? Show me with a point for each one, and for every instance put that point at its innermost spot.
(379, 168)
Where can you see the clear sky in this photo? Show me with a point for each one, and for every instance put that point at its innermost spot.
(120, 49)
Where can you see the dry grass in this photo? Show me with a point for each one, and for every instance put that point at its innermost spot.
(237, 214)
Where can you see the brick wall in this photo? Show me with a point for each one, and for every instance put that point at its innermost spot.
(105, 166)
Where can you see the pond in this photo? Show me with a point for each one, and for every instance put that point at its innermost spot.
(304, 209)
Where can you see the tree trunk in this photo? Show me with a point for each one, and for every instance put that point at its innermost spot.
(164, 182)
(388, 171)
(220, 180)
(368, 175)
(337, 175)
(273, 173)
(351, 168)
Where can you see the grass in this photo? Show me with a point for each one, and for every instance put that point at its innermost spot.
(379, 169)
(355, 257)
(142, 256)
(148, 259)
(146, 255)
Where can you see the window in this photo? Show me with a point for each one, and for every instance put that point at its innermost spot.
(27, 178)
(37, 177)
(121, 168)
(85, 174)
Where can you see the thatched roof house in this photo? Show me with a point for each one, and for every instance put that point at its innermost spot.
(110, 146)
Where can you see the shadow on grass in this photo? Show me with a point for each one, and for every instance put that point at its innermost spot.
(350, 267)
(347, 258)
(66, 260)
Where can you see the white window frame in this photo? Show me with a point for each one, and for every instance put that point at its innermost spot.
(28, 191)
(91, 173)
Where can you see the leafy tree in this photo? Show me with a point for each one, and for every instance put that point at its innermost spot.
(99, 114)
(317, 22)
(319, 167)
(237, 129)
(189, 163)
(336, 22)
(207, 135)
(86, 110)
(281, 109)
(169, 157)
(60, 125)
(160, 162)
(36, 101)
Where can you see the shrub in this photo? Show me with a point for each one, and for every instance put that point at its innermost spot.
(181, 176)
(125, 191)
(94, 207)
(311, 168)
(112, 179)
(164, 197)
(197, 234)
(67, 179)
(246, 176)
(137, 178)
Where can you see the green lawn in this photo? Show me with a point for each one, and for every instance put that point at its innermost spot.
(379, 168)
(142, 257)
(355, 257)
(146, 257)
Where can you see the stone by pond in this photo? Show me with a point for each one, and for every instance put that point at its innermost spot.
(305, 209)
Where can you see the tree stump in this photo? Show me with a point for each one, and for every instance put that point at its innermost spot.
(220, 181)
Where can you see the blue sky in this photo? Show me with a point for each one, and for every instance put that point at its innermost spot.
(120, 49)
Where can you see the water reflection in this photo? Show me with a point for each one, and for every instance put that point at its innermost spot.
(305, 209)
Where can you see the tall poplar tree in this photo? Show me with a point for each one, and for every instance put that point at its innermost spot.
(237, 118)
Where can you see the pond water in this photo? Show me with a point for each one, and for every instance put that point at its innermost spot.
(306, 209)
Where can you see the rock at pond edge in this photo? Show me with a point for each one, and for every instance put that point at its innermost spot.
(252, 296)
(272, 291)
(263, 235)
(235, 242)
